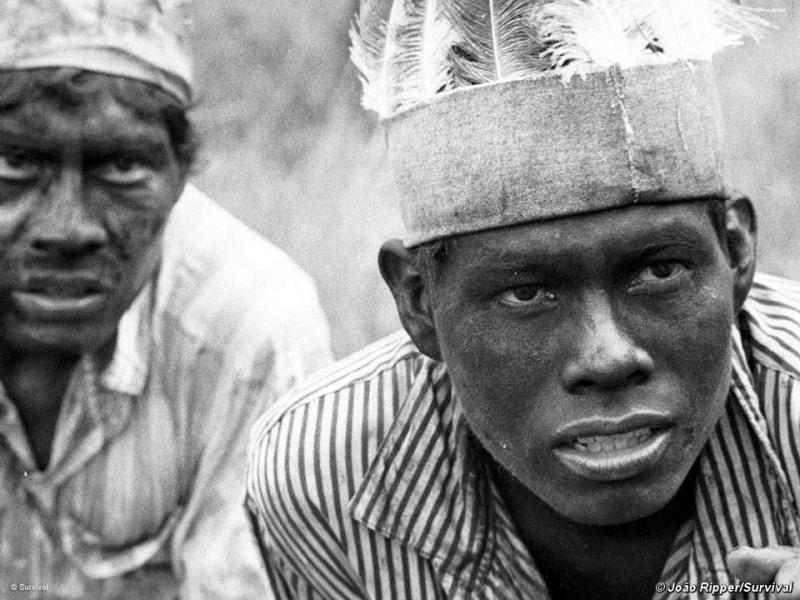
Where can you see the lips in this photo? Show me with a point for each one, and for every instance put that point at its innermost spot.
(614, 450)
(61, 297)
(65, 288)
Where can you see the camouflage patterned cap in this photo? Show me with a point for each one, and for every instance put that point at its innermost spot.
(140, 39)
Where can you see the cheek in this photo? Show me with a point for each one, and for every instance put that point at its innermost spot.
(498, 374)
(692, 354)
(708, 364)
(702, 350)
(134, 233)
(135, 247)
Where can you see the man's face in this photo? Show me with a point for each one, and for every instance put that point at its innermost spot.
(84, 195)
(591, 354)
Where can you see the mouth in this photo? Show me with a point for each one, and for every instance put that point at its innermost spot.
(614, 455)
(55, 299)
(598, 444)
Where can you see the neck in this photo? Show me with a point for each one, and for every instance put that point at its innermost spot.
(36, 384)
(581, 561)
(26, 376)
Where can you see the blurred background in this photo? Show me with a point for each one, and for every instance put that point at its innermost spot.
(288, 149)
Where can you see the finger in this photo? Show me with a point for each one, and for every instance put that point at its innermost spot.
(759, 565)
(788, 575)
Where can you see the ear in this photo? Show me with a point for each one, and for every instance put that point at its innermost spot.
(413, 295)
(740, 226)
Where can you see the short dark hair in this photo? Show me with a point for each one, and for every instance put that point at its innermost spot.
(69, 87)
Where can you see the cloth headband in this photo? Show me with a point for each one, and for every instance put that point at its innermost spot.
(140, 39)
(505, 153)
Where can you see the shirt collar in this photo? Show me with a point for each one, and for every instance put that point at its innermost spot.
(426, 489)
(127, 372)
(742, 496)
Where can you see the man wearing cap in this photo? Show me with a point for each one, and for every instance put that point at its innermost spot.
(593, 397)
(142, 328)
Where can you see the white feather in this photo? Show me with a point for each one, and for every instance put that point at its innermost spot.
(409, 50)
(580, 34)
(692, 29)
(370, 51)
(423, 38)
(496, 40)
(585, 35)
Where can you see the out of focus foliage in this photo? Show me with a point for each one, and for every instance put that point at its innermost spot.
(289, 150)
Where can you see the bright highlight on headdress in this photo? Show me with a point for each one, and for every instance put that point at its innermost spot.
(585, 35)
(410, 50)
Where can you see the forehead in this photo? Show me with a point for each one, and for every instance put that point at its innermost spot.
(49, 123)
(585, 238)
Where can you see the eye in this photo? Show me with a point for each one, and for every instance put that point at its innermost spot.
(18, 167)
(659, 273)
(123, 171)
(527, 295)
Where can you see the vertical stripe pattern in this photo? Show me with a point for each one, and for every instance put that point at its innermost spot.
(142, 497)
(364, 483)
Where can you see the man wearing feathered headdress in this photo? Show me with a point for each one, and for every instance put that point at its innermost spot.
(141, 326)
(594, 396)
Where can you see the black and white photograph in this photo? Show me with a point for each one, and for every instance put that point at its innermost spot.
(400, 299)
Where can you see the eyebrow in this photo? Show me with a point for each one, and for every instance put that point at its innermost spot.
(149, 144)
(97, 145)
(501, 260)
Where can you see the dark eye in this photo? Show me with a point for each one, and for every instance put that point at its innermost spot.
(527, 295)
(123, 171)
(18, 167)
(660, 272)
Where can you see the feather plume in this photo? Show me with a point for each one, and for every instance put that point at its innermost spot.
(581, 32)
(409, 50)
(586, 35)
(423, 38)
(496, 40)
(689, 29)
(370, 52)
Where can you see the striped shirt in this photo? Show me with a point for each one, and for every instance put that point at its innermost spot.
(364, 484)
(142, 498)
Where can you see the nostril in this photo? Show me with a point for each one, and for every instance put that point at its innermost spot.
(583, 387)
(586, 379)
(638, 378)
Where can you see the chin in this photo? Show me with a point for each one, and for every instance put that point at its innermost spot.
(59, 340)
(619, 513)
(625, 502)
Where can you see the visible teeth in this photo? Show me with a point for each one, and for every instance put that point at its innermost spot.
(607, 443)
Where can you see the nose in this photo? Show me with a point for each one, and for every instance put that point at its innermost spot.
(64, 225)
(603, 355)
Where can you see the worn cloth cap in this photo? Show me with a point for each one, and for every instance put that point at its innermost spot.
(501, 154)
(499, 113)
(140, 39)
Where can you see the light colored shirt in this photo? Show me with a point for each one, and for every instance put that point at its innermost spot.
(142, 498)
(366, 484)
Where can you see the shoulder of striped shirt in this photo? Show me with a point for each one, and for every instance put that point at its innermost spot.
(774, 307)
(368, 363)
